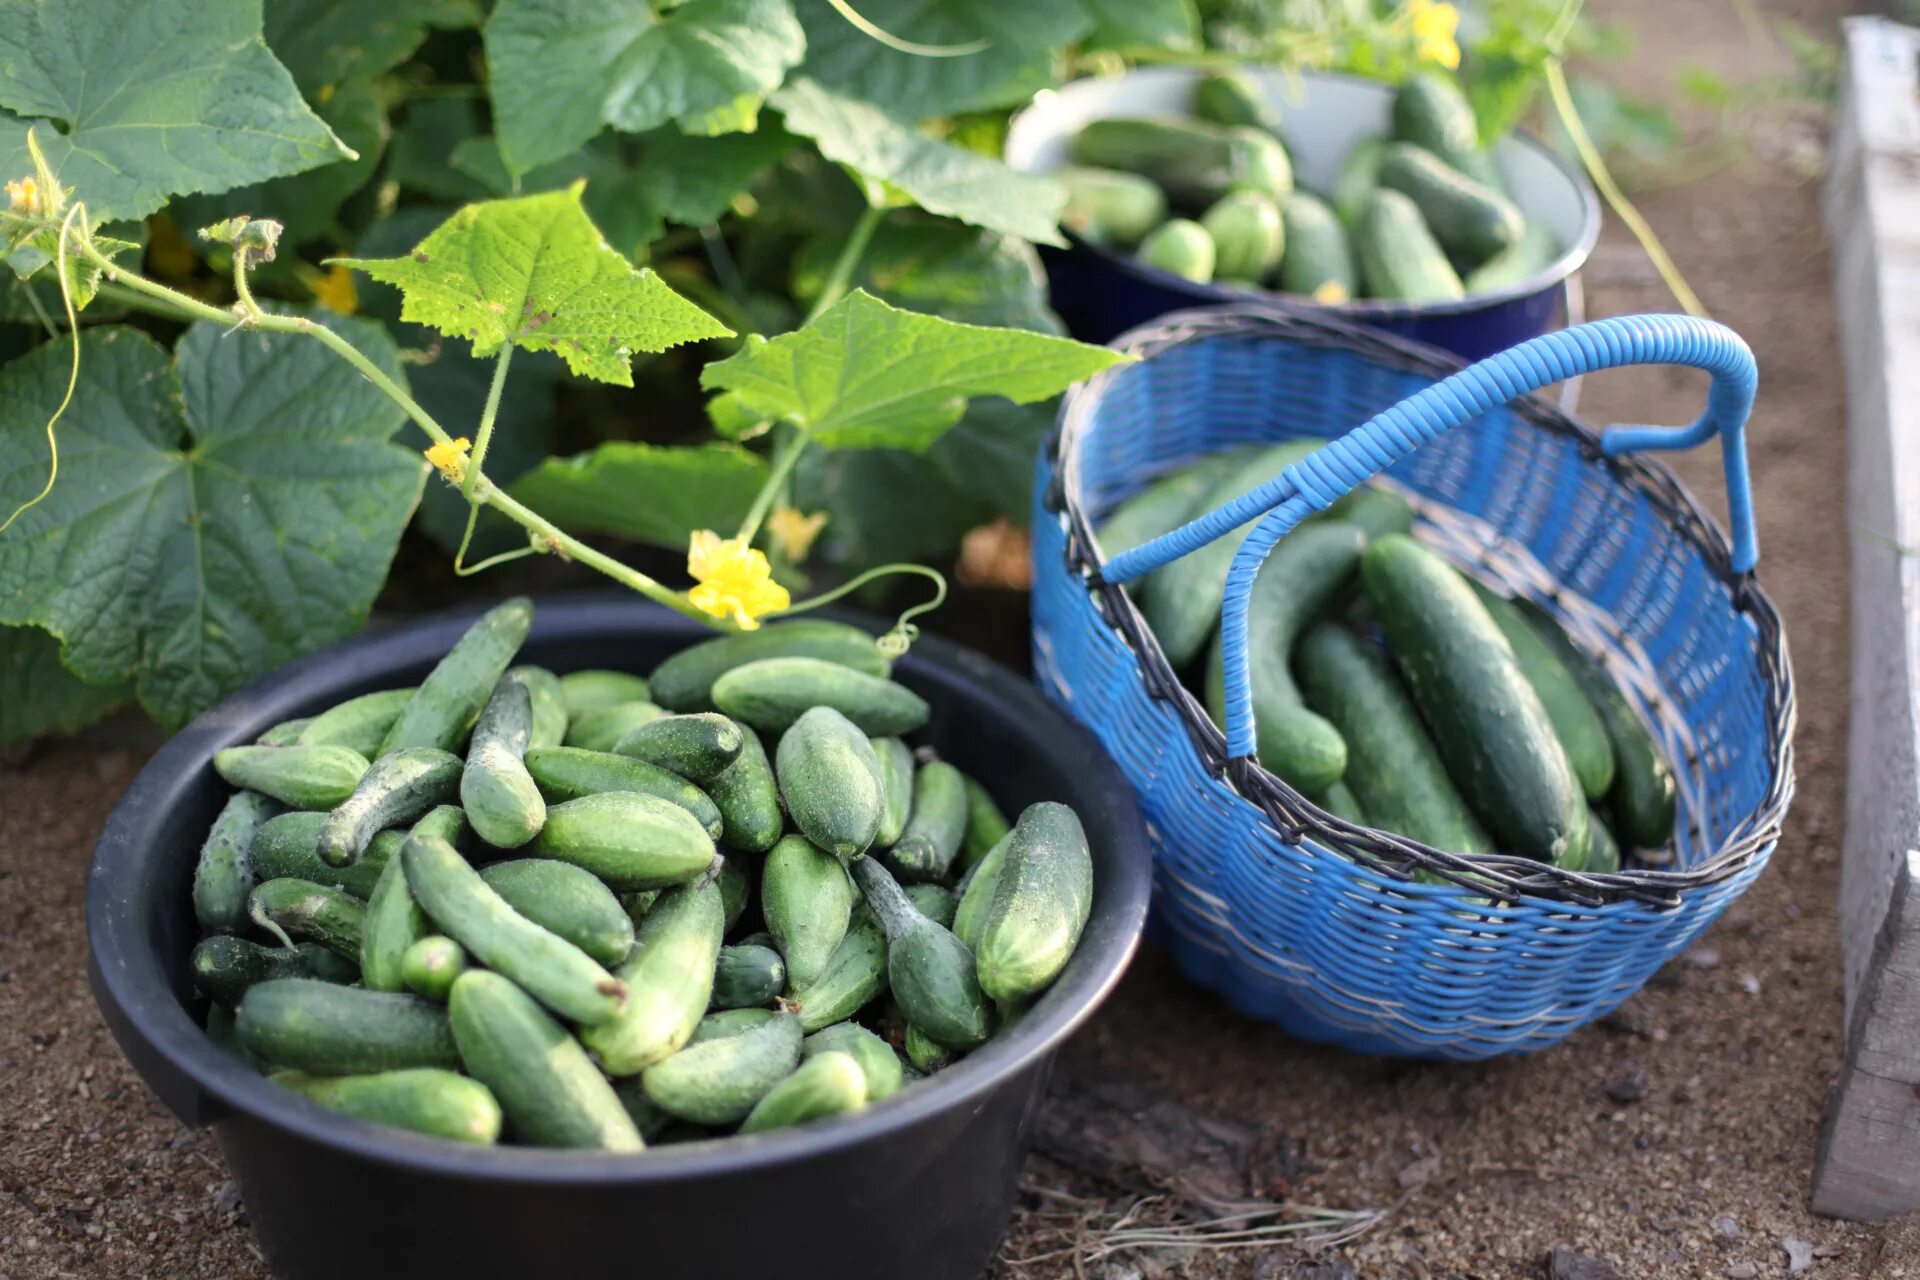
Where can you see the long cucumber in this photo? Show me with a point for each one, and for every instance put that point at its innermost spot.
(499, 795)
(1042, 896)
(443, 708)
(669, 978)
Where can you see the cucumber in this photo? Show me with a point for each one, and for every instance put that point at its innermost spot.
(670, 980)
(986, 825)
(1108, 207)
(1230, 96)
(1340, 801)
(603, 727)
(807, 901)
(1472, 221)
(1358, 178)
(935, 902)
(566, 901)
(549, 704)
(1494, 736)
(291, 909)
(297, 776)
(976, 894)
(332, 1030)
(223, 873)
(717, 1080)
(394, 921)
(729, 1022)
(699, 746)
(856, 973)
(496, 791)
(926, 849)
(224, 967)
(748, 798)
(735, 888)
(1041, 900)
(1582, 734)
(685, 681)
(879, 1064)
(1248, 236)
(930, 971)
(1527, 257)
(828, 1084)
(1603, 852)
(401, 786)
(773, 693)
(220, 1030)
(286, 733)
(927, 1056)
(747, 975)
(630, 840)
(1399, 258)
(1394, 770)
(1377, 512)
(1181, 247)
(1193, 161)
(468, 910)
(431, 965)
(444, 706)
(547, 1086)
(568, 773)
(1302, 575)
(1319, 260)
(830, 780)
(287, 847)
(651, 1121)
(429, 1100)
(638, 904)
(1165, 504)
(1430, 111)
(896, 789)
(596, 690)
(358, 723)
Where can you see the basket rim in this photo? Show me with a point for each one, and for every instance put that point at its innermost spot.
(1294, 816)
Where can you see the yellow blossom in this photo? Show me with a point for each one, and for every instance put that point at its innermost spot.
(24, 195)
(333, 288)
(793, 532)
(450, 459)
(1434, 24)
(735, 580)
(1332, 293)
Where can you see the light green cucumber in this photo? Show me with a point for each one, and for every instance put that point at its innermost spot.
(896, 789)
(394, 921)
(699, 746)
(830, 780)
(333, 1030)
(685, 681)
(223, 873)
(807, 901)
(717, 1080)
(1248, 236)
(828, 1084)
(287, 847)
(429, 1100)
(596, 690)
(402, 785)
(602, 728)
(1041, 900)
(286, 733)
(773, 693)
(1582, 734)
(628, 839)
(856, 973)
(987, 826)
(548, 701)
(568, 773)
(501, 801)
(747, 975)
(292, 909)
(926, 849)
(926, 1055)
(1181, 247)
(567, 901)
(1108, 207)
(299, 777)
(443, 708)
(358, 723)
(878, 1062)
(669, 978)
(224, 966)
(431, 965)
(1229, 96)
(748, 798)
(930, 971)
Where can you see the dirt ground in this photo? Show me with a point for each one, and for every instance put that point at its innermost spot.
(1675, 1139)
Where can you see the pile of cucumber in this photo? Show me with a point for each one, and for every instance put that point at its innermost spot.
(593, 910)
(1396, 692)
(1419, 216)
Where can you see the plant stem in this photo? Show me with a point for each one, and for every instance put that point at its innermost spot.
(785, 454)
(844, 266)
(483, 436)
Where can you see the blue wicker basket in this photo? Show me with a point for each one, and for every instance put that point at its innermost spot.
(1296, 916)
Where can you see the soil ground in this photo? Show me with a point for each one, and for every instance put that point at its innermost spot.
(1675, 1139)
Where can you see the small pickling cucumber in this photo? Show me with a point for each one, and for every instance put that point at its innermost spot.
(223, 873)
(286, 733)
(717, 1080)
(1108, 207)
(736, 887)
(828, 1084)
(565, 900)
(548, 701)
(699, 746)
(394, 921)
(1319, 260)
(429, 1100)
(986, 825)
(1041, 900)
(1194, 161)
(1582, 734)
(1399, 257)
(748, 798)
(501, 801)
(856, 973)
(896, 789)
(926, 1055)
(333, 1030)
(669, 978)
(603, 727)
(976, 894)
(401, 786)
(1248, 236)
(358, 723)
(1378, 512)
(1471, 220)
(1525, 258)
(1165, 504)
(934, 901)
(224, 967)
(878, 1062)
(1430, 111)
(1340, 801)
(1181, 247)
(807, 901)
(1603, 851)
(685, 681)
(747, 975)
(547, 1086)
(930, 971)
(773, 693)
(1229, 96)
(1359, 178)
(547, 966)
(649, 1119)
(568, 773)
(299, 777)
(729, 1022)
(287, 847)
(443, 708)
(628, 839)
(830, 780)
(926, 849)
(292, 909)
(431, 965)
(596, 690)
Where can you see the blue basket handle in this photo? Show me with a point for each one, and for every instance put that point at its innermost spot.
(1330, 473)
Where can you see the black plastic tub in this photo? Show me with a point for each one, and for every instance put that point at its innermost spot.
(919, 1186)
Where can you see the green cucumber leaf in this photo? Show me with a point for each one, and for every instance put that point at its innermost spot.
(325, 42)
(937, 176)
(122, 240)
(869, 376)
(215, 514)
(141, 100)
(1143, 24)
(534, 271)
(650, 493)
(883, 505)
(960, 273)
(989, 456)
(38, 695)
(428, 135)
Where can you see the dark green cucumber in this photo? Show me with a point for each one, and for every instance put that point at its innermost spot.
(716, 1080)
(549, 704)
(925, 1054)
(293, 909)
(1358, 178)
(830, 780)
(986, 825)
(934, 901)
(1248, 236)
(547, 1086)
(926, 849)
(1430, 111)
(1494, 736)
(299, 777)
(394, 920)
(699, 746)
(896, 789)
(567, 901)
(498, 794)
(1582, 734)
(930, 971)
(1319, 260)
(669, 977)
(1393, 767)
(221, 1030)
(747, 975)
(1108, 207)
(1525, 258)
(650, 1120)
(429, 1100)
(401, 786)
(468, 910)
(333, 1030)
(286, 733)
(1472, 221)
(224, 967)
(685, 681)
(629, 839)
(1041, 900)
(856, 973)
(1167, 503)
(879, 1064)
(443, 708)
(748, 798)
(431, 965)
(828, 1084)
(976, 894)
(568, 773)
(736, 887)
(603, 727)
(807, 901)
(1603, 851)
(1230, 96)
(287, 847)
(773, 693)
(223, 873)
(1377, 512)
(1340, 801)
(1181, 247)
(595, 690)
(1194, 161)
(358, 723)
(1399, 258)
(1304, 572)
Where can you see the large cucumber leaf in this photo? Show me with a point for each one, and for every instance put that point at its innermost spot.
(324, 42)
(38, 695)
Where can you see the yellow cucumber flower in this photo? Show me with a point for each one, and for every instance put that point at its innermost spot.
(333, 288)
(735, 580)
(793, 532)
(450, 459)
(24, 196)
(1434, 25)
